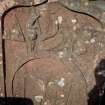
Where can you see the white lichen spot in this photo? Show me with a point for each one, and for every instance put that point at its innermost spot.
(82, 49)
(60, 54)
(100, 44)
(86, 3)
(1, 94)
(92, 40)
(60, 19)
(14, 31)
(86, 42)
(56, 22)
(62, 95)
(61, 83)
(70, 59)
(74, 21)
(71, 4)
(45, 103)
(38, 98)
(50, 83)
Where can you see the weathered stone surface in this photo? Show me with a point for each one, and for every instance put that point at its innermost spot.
(52, 54)
(94, 8)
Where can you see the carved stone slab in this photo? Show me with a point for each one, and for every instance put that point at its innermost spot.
(52, 54)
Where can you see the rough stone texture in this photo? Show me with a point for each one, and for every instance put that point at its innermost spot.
(57, 65)
(94, 8)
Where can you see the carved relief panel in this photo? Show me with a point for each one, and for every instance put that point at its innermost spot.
(51, 53)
